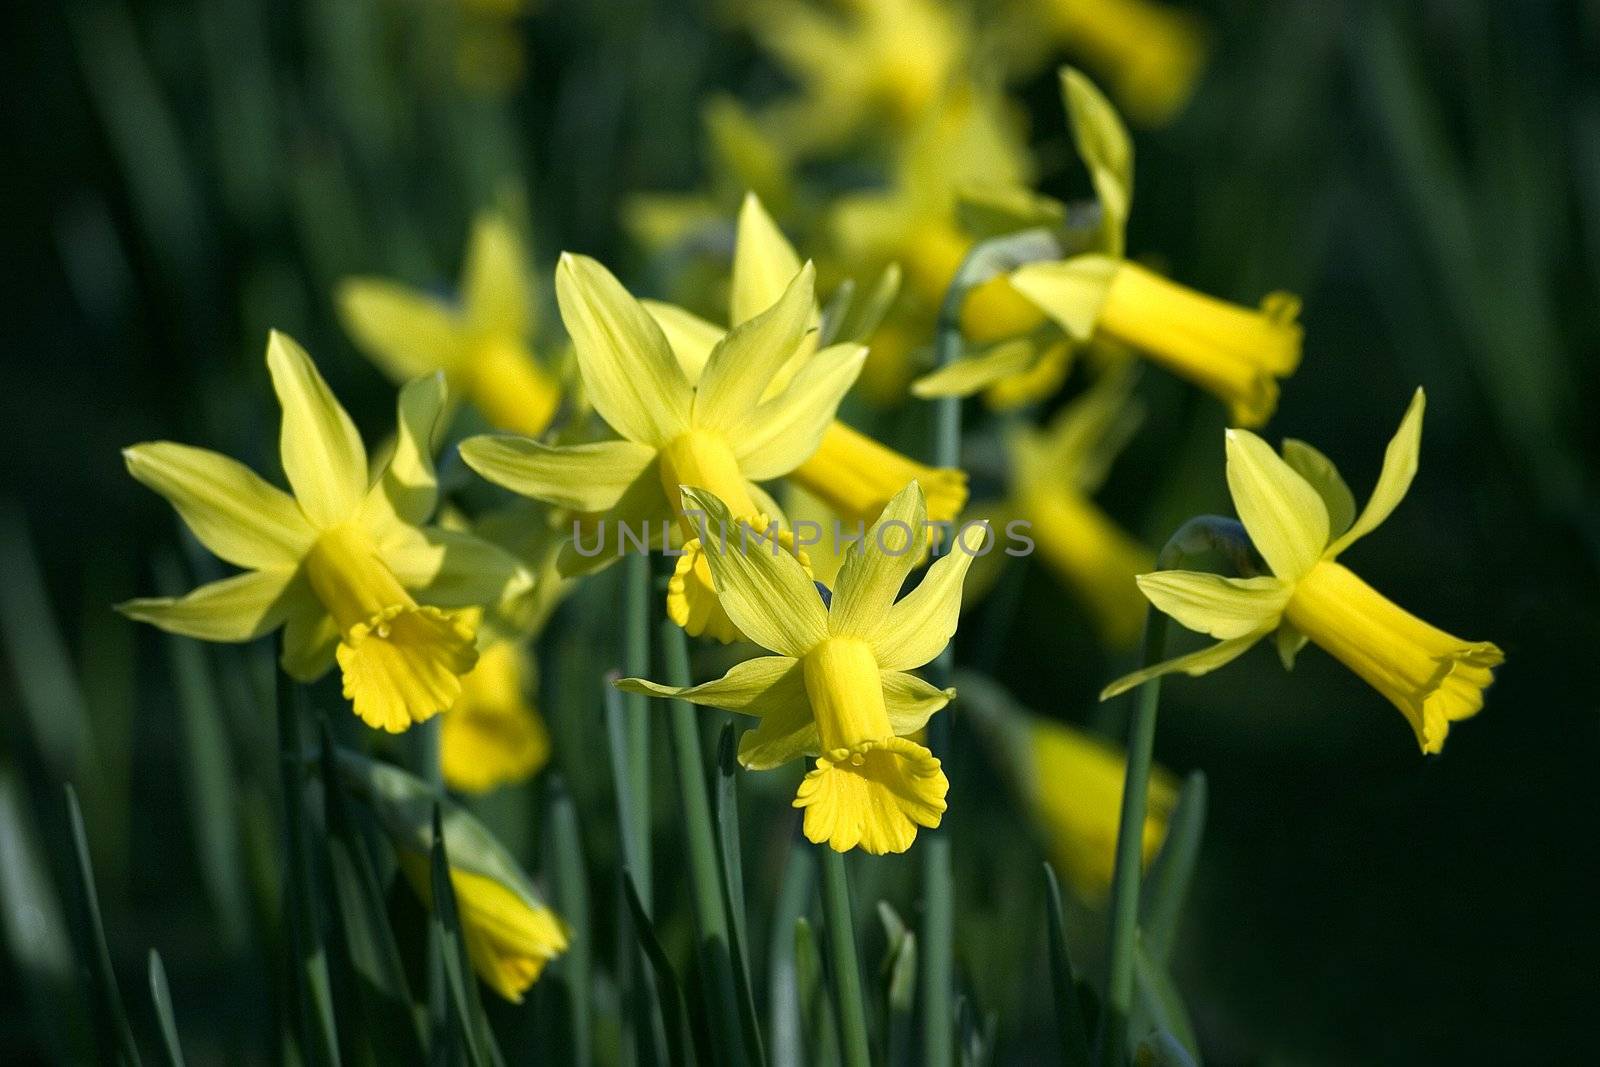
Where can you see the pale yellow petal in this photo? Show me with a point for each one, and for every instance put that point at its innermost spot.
(764, 589)
(1104, 145)
(1214, 605)
(232, 510)
(586, 477)
(785, 431)
(405, 332)
(966, 377)
(1283, 514)
(764, 262)
(1399, 467)
(494, 284)
(1071, 292)
(911, 701)
(1318, 470)
(919, 627)
(240, 608)
(322, 453)
(309, 638)
(408, 485)
(628, 369)
(744, 363)
(877, 565)
(691, 337)
(1194, 664)
(451, 568)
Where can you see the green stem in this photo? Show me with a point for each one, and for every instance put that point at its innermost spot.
(842, 951)
(705, 872)
(636, 664)
(1130, 851)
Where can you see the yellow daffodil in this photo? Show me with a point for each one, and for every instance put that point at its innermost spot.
(967, 139)
(1151, 54)
(493, 735)
(837, 689)
(1070, 782)
(718, 429)
(509, 931)
(871, 64)
(342, 563)
(1235, 353)
(1054, 474)
(480, 345)
(1301, 517)
(850, 472)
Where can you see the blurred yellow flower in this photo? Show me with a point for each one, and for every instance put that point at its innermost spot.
(493, 735)
(1054, 474)
(717, 428)
(1151, 54)
(480, 345)
(1301, 516)
(340, 564)
(867, 65)
(838, 688)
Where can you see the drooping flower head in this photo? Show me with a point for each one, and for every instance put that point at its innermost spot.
(344, 565)
(1301, 517)
(838, 688)
(1235, 353)
(719, 429)
(481, 344)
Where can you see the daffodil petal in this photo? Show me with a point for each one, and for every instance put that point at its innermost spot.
(877, 565)
(764, 589)
(233, 511)
(1071, 292)
(1324, 477)
(1194, 664)
(309, 639)
(787, 731)
(1399, 467)
(1211, 604)
(1290, 641)
(408, 485)
(786, 430)
(1103, 144)
(322, 453)
(755, 687)
(764, 263)
(691, 337)
(911, 701)
(240, 608)
(494, 284)
(627, 366)
(596, 540)
(974, 374)
(1286, 519)
(744, 362)
(586, 477)
(405, 332)
(919, 627)
(451, 568)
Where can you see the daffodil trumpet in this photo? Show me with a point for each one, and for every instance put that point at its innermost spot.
(343, 564)
(1301, 517)
(837, 688)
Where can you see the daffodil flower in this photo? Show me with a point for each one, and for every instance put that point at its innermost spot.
(492, 735)
(480, 345)
(1070, 782)
(876, 63)
(850, 472)
(342, 563)
(837, 688)
(719, 431)
(1235, 353)
(966, 140)
(1054, 474)
(1301, 517)
(1150, 53)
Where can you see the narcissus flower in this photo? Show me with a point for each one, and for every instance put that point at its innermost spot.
(720, 431)
(837, 689)
(493, 735)
(1301, 517)
(851, 472)
(481, 344)
(876, 63)
(1150, 54)
(1070, 782)
(343, 564)
(510, 933)
(1054, 475)
(1235, 353)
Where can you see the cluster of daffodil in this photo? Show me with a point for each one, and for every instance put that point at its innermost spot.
(691, 433)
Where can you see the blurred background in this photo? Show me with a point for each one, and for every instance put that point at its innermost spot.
(185, 175)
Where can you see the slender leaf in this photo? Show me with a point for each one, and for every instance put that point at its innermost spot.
(461, 1027)
(681, 1048)
(112, 1031)
(1167, 883)
(161, 996)
(1157, 1004)
(899, 976)
(574, 970)
(849, 999)
(786, 1019)
(1071, 1028)
(816, 1006)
